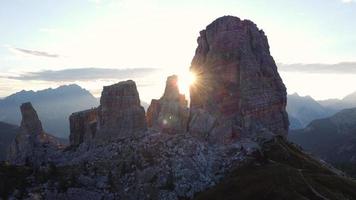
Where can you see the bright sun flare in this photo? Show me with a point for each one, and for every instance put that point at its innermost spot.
(185, 81)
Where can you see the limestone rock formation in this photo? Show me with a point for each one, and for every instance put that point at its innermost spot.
(238, 88)
(83, 126)
(32, 145)
(238, 102)
(30, 121)
(170, 113)
(120, 113)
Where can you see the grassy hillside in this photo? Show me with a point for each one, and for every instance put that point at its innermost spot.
(284, 172)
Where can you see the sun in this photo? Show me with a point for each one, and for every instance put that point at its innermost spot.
(185, 80)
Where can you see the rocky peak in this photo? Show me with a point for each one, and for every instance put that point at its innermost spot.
(170, 113)
(238, 86)
(32, 145)
(171, 91)
(30, 121)
(120, 113)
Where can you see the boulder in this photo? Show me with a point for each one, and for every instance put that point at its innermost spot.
(170, 113)
(238, 86)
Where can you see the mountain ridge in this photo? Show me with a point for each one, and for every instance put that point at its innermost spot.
(332, 138)
(53, 105)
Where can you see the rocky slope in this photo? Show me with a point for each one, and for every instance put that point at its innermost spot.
(283, 172)
(170, 113)
(53, 105)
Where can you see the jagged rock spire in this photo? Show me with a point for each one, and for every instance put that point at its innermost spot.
(170, 113)
(30, 121)
(171, 92)
(32, 145)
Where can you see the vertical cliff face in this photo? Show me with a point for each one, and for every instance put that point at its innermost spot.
(170, 113)
(82, 126)
(32, 145)
(30, 123)
(120, 113)
(238, 87)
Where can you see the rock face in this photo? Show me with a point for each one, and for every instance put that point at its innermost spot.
(170, 113)
(238, 88)
(30, 121)
(120, 113)
(83, 126)
(32, 145)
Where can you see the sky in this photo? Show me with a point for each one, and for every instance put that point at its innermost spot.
(47, 43)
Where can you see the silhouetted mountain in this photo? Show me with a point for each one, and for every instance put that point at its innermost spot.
(348, 101)
(303, 110)
(333, 139)
(7, 135)
(53, 105)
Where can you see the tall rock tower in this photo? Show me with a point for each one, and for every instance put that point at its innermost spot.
(238, 88)
(120, 113)
(32, 145)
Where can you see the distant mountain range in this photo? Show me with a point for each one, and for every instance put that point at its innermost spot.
(53, 105)
(304, 109)
(348, 101)
(333, 138)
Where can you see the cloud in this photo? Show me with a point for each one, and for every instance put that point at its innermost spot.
(33, 52)
(348, 1)
(85, 74)
(339, 68)
(96, 1)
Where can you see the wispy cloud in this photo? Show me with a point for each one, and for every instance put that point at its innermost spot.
(33, 52)
(85, 74)
(339, 68)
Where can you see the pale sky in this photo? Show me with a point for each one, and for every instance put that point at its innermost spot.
(160, 35)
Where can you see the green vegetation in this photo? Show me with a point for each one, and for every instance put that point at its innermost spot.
(284, 173)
